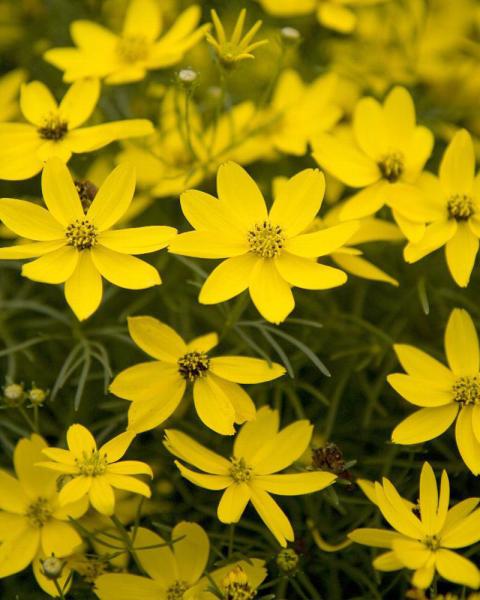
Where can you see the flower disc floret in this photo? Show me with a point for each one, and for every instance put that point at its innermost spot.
(92, 465)
(54, 129)
(39, 512)
(193, 365)
(392, 166)
(132, 49)
(237, 587)
(466, 390)
(460, 207)
(266, 240)
(81, 234)
(177, 590)
(240, 471)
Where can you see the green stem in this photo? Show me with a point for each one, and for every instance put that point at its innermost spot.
(33, 426)
(61, 595)
(231, 538)
(128, 542)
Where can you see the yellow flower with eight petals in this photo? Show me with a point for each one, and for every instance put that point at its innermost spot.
(77, 247)
(156, 388)
(267, 252)
(127, 57)
(452, 204)
(33, 522)
(260, 451)
(444, 393)
(96, 471)
(55, 129)
(424, 538)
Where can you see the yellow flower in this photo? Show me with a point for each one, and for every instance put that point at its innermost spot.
(33, 522)
(251, 474)
(237, 48)
(299, 112)
(55, 129)
(9, 89)
(452, 204)
(385, 157)
(333, 14)
(78, 247)
(156, 388)
(127, 57)
(96, 472)
(175, 572)
(266, 251)
(424, 536)
(444, 393)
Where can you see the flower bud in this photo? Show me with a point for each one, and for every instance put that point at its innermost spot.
(37, 396)
(14, 394)
(52, 567)
(187, 77)
(290, 35)
(287, 561)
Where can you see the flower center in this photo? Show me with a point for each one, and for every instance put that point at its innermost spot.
(392, 166)
(193, 365)
(460, 207)
(92, 464)
(240, 471)
(236, 586)
(466, 390)
(266, 240)
(176, 591)
(86, 192)
(54, 129)
(132, 49)
(81, 234)
(432, 542)
(39, 512)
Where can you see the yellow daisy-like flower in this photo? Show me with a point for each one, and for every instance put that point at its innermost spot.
(452, 204)
(175, 572)
(33, 522)
(95, 472)
(237, 48)
(139, 48)
(267, 252)
(251, 474)
(156, 388)
(78, 247)
(385, 157)
(424, 536)
(55, 129)
(444, 393)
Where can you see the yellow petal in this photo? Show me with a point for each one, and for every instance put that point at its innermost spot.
(148, 413)
(399, 113)
(30, 250)
(13, 498)
(461, 343)
(411, 553)
(387, 562)
(207, 213)
(113, 198)
(366, 202)
(122, 586)
(189, 450)
(425, 424)
(130, 467)
(298, 202)
(143, 20)
(468, 445)
(31, 221)
(203, 244)
(344, 161)
(209, 482)
(336, 17)
(80, 440)
(54, 149)
(191, 551)
(362, 268)
(272, 515)
(230, 278)
(293, 484)
(60, 194)
(87, 34)
(157, 558)
(19, 143)
(233, 502)
(115, 448)
(242, 369)
(463, 530)
(436, 235)
(204, 343)
(127, 483)
(18, 552)
(213, 406)
(421, 365)
(460, 252)
(74, 490)
(88, 139)
(79, 102)
(443, 502)
(37, 103)
(137, 240)
(34, 480)
(83, 290)
(458, 513)
(308, 274)
(243, 405)
(377, 538)
(156, 339)
(423, 577)
(101, 496)
(59, 538)
(457, 569)
(54, 267)
(396, 512)
(457, 169)
(428, 499)
(124, 270)
(146, 381)
(270, 293)
(325, 241)
(422, 392)
(255, 434)
(242, 195)
(369, 128)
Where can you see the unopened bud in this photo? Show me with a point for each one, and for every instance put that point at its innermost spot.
(187, 76)
(287, 560)
(37, 396)
(14, 394)
(290, 35)
(52, 567)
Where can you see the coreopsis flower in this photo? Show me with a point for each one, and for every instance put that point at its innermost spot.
(157, 387)
(10, 85)
(425, 536)
(260, 451)
(34, 524)
(444, 393)
(175, 572)
(266, 252)
(385, 158)
(238, 47)
(333, 14)
(77, 246)
(451, 202)
(299, 112)
(95, 472)
(139, 48)
(56, 129)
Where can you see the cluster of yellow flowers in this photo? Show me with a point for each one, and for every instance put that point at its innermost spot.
(350, 137)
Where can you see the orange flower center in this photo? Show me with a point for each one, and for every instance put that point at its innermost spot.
(266, 240)
(460, 207)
